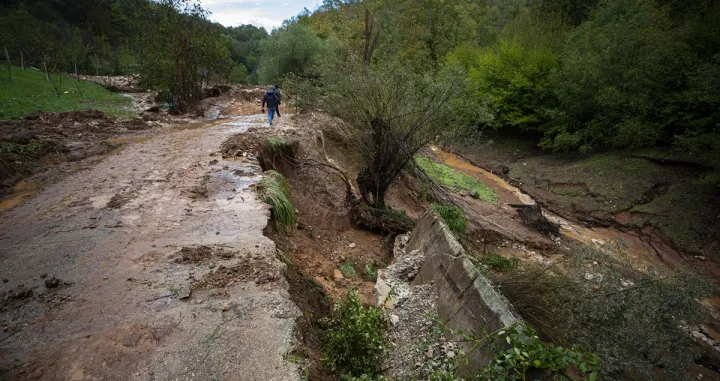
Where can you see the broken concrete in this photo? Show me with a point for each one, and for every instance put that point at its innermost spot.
(467, 301)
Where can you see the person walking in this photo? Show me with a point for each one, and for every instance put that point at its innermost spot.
(272, 102)
(279, 99)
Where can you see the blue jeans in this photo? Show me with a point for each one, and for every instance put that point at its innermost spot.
(271, 113)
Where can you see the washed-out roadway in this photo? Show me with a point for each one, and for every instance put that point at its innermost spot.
(121, 311)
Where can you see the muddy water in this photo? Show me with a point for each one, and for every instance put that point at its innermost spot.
(643, 249)
(20, 192)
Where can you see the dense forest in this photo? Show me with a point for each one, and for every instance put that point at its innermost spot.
(577, 75)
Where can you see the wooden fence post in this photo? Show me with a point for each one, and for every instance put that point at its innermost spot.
(22, 61)
(7, 55)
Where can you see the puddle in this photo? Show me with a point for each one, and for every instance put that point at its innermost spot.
(20, 192)
(643, 248)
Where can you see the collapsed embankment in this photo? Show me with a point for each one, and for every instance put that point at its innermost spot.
(430, 261)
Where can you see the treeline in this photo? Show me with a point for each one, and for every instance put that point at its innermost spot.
(579, 74)
(170, 43)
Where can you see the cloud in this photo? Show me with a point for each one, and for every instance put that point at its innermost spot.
(265, 14)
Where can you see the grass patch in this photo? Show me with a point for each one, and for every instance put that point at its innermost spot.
(499, 263)
(275, 191)
(453, 216)
(29, 91)
(277, 146)
(451, 178)
(348, 271)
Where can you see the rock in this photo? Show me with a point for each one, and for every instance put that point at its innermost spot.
(226, 308)
(475, 194)
(183, 292)
(352, 245)
(394, 319)
(337, 274)
(52, 282)
(701, 257)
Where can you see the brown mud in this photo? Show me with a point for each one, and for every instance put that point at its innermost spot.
(157, 247)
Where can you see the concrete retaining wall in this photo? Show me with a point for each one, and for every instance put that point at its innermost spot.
(468, 300)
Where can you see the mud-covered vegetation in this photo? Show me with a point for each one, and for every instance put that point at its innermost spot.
(629, 319)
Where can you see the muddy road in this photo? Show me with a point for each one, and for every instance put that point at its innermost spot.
(151, 265)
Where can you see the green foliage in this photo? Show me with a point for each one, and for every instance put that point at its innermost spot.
(453, 216)
(526, 351)
(179, 49)
(30, 91)
(355, 340)
(457, 180)
(21, 149)
(348, 270)
(627, 77)
(371, 271)
(600, 305)
(498, 262)
(275, 191)
(239, 74)
(294, 49)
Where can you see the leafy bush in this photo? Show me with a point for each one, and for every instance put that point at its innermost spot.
(453, 216)
(602, 306)
(451, 178)
(275, 191)
(355, 341)
(526, 352)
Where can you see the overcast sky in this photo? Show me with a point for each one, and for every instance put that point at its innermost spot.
(268, 14)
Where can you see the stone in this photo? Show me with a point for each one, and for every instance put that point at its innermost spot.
(337, 274)
(394, 319)
(183, 292)
(52, 283)
(352, 245)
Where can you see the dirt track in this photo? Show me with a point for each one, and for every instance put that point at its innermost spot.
(117, 237)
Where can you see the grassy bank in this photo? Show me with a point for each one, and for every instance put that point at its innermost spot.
(30, 91)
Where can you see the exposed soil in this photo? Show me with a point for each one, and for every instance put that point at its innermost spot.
(33, 144)
(627, 191)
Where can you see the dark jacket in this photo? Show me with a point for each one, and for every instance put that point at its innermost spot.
(271, 99)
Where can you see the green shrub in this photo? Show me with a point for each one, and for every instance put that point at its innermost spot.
(348, 269)
(355, 341)
(275, 191)
(370, 273)
(453, 216)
